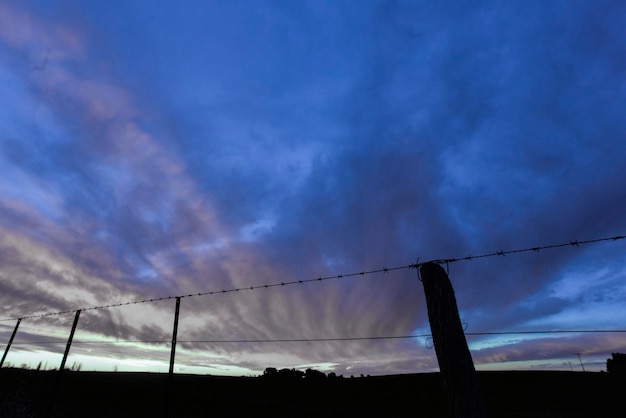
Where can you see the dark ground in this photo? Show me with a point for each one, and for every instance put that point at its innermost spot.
(29, 393)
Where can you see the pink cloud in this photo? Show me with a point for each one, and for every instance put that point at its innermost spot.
(35, 37)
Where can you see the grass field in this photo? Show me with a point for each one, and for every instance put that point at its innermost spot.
(29, 393)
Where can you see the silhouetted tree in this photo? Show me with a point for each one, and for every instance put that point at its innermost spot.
(616, 364)
(270, 372)
(290, 374)
(314, 374)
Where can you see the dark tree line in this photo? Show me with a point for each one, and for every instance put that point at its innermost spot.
(294, 374)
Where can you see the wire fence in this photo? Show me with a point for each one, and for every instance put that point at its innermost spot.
(281, 284)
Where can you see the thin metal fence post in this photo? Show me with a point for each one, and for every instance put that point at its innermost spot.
(174, 334)
(6, 350)
(581, 361)
(69, 341)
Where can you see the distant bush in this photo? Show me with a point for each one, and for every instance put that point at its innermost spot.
(273, 373)
(270, 372)
(312, 374)
(294, 374)
(616, 364)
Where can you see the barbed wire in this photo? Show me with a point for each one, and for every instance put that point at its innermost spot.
(524, 250)
(334, 339)
(321, 279)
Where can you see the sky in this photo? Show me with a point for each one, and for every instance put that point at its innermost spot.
(153, 149)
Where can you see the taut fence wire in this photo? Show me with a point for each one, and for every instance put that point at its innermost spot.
(323, 278)
(333, 339)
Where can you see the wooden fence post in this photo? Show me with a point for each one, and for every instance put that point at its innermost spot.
(69, 341)
(455, 361)
(6, 350)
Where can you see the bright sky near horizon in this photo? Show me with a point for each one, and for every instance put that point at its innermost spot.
(150, 149)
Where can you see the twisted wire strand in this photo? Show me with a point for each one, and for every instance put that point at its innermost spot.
(415, 265)
(333, 339)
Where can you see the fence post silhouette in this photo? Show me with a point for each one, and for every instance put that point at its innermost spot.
(174, 334)
(69, 341)
(6, 350)
(455, 361)
(170, 377)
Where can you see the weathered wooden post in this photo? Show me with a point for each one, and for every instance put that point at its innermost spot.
(69, 341)
(6, 350)
(455, 361)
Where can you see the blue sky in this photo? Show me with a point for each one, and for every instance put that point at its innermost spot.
(150, 149)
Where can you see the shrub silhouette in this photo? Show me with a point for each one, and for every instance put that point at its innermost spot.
(616, 364)
(311, 374)
(293, 374)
